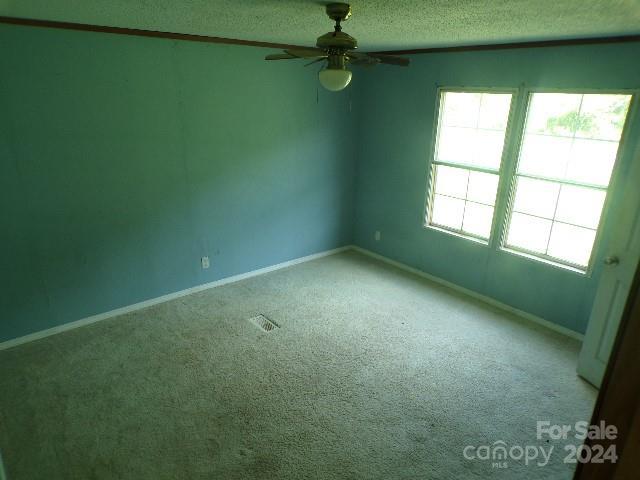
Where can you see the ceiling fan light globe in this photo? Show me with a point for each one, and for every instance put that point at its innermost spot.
(334, 79)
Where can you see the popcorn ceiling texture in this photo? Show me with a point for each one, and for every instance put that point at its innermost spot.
(377, 24)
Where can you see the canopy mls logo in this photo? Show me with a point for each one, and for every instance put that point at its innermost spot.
(499, 452)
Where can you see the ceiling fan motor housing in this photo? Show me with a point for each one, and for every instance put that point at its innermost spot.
(337, 40)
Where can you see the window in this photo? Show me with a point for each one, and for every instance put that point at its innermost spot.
(558, 180)
(569, 147)
(469, 143)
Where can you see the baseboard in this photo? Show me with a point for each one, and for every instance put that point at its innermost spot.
(236, 278)
(165, 298)
(503, 306)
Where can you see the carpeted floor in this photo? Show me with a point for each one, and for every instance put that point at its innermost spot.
(373, 374)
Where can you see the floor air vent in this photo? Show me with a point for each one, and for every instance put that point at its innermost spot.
(264, 323)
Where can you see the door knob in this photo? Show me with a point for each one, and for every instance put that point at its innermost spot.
(611, 260)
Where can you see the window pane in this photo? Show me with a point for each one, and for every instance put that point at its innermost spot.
(482, 187)
(591, 161)
(560, 128)
(544, 155)
(487, 151)
(456, 145)
(494, 111)
(477, 219)
(602, 116)
(571, 243)
(466, 146)
(553, 113)
(530, 233)
(451, 181)
(447, 211)
(537, 197)
(461, 109)
(580, 206)
(472, 128)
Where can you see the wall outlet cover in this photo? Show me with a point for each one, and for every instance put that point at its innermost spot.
(377, 235)
(205, 262)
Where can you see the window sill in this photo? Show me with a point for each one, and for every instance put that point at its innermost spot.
(456, 234)
(583, 272)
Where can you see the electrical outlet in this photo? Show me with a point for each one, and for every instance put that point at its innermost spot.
(377, 235)
(205, 262)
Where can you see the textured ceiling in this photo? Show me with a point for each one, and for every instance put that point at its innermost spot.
(377, 24)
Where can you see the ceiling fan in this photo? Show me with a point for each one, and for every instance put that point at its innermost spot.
(337, 48)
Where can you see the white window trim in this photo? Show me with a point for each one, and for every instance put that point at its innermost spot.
(431, 164)
(614, 181)
(514, 135)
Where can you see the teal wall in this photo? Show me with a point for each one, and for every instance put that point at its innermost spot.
(123, 160)
(395, 116)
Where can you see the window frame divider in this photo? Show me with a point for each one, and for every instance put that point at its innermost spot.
(507, 168)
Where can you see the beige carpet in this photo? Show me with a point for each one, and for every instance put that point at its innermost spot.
(373, 374)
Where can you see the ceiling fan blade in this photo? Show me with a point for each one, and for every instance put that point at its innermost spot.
(390, 59)
(306, 52)
(358, 55)
(362, 59)
(321, 59)
(279, 56)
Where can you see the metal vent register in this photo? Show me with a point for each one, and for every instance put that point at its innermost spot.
(263, 323)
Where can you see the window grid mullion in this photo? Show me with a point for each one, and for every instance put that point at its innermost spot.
(574, 183)
(564, 222)
(467, 167)
(553, 220)
(475, 201)
(466, 197)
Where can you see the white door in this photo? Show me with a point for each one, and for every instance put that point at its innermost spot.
(621, 261)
